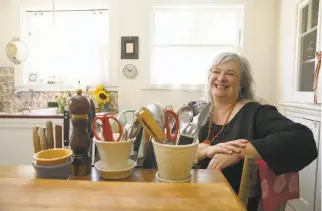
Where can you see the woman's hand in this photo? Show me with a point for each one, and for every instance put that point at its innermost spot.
(227, 147)
(202, 149)
(221, 161)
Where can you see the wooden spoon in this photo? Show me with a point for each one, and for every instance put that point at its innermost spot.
(43, 139)
(36, 139)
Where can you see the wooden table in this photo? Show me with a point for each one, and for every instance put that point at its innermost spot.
(208, 190)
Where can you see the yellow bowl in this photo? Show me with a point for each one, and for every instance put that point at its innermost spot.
(52, 157)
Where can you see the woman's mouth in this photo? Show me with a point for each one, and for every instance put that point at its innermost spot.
(221, 87)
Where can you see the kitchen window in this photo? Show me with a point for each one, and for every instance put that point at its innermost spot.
(66, 47)
(186, 39)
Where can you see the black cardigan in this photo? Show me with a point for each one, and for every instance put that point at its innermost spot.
(284, 145)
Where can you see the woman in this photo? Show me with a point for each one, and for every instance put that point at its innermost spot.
(238, 126)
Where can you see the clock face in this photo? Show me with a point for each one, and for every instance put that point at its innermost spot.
(130, 71)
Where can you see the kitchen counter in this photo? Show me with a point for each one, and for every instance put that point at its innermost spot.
(39, 116)
(31, 116)
(208, 190)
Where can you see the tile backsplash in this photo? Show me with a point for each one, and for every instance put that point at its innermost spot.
(13, 102)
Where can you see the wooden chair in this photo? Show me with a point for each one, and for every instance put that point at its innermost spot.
(248, 184)
(126, 115)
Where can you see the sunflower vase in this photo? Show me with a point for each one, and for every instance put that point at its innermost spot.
(105, 107)
(103, 98)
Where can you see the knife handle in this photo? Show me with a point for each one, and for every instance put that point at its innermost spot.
(66, 128)
(36, 139)
(50, 134)
(58, 136)
(43, 141)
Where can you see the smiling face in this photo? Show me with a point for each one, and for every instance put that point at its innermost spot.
(225, 80)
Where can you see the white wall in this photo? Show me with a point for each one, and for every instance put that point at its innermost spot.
(132, 18)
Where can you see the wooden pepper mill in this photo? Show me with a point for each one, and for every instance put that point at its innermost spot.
(79, 107)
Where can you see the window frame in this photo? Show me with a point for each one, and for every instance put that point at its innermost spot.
(112, 82)
(188, 87)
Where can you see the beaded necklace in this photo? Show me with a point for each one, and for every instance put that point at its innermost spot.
(208, 141)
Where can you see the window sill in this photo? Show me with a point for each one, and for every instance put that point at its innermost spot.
(57, 87)
(168, 87)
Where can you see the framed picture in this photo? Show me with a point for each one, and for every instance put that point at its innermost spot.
(129, 47)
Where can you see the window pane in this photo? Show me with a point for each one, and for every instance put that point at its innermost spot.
(173, 27)
(75, 48)
(218, 27)
(213, 25)
(183, 65)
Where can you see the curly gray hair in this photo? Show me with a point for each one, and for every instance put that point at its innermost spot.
(246, 84)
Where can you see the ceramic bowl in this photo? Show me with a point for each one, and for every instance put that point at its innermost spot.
(115, 174)
(114, 154)
(52, 157)
(62, 171)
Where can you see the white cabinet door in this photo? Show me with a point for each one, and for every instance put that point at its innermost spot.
(289, 208)
(16, 144)
(308, 175)
(318, 182)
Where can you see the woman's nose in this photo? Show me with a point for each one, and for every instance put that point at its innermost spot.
(221, 77)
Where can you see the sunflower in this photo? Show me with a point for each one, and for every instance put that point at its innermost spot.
(101, 95)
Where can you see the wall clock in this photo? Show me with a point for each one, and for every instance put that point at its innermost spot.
(130, 71)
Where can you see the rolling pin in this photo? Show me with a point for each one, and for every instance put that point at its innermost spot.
(43, 140)
(50, 134)
(58, 136)
(36, 139)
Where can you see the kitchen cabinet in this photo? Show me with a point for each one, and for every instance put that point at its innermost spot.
(308, 42)
(310, 176)
(16, 139)
(16, 144)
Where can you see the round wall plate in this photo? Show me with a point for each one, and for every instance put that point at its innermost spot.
(130, 71)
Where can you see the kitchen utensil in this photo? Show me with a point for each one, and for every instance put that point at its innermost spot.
(203, 116)
(185, 115)
(158, 112)
(185, 139)
(168, 125)
(62, 171)
(107, 131)
(80, 142)
(17, 50)
(191, 129)
(115, 174)
(149, 124)
(51, 157)
(36, 139)
(43, 139)
(135, 128)
(66, 128)
(50, 134)
(58, 136)
(126, 130)
(136, 145)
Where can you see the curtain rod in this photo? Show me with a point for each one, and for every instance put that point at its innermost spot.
(88, 10)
